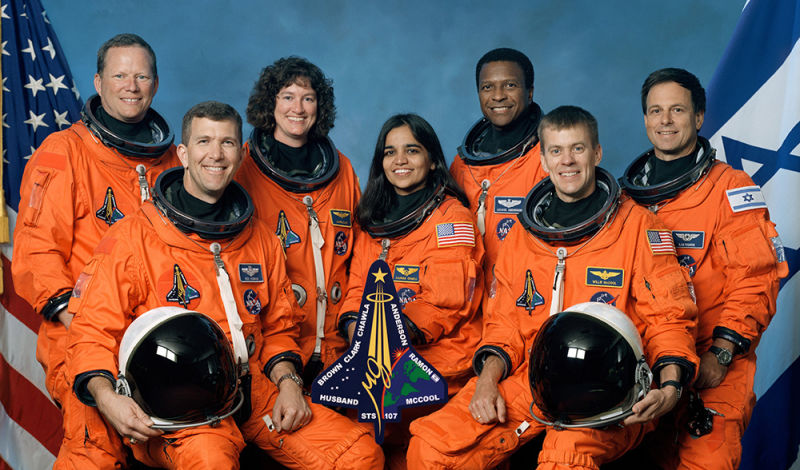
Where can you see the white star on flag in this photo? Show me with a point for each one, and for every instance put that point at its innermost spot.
(28, 157)
(61, 118)
(36, 120)
(4, 85)
(44, 17)
(4, 120)
(49, 48)
(30, 50)
(34, 85)
(4, 15)
(5, 52)
(56, 83)
(75, 90)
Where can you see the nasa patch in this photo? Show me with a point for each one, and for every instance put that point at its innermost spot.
(406, 295)
(604, 277)
(508, 204)
(406, 273)
(503, 227)
(251, 302)
(340, 243)
(341, 218)
(689, 263)
(250, 272)
(604, 297)
(689, 239)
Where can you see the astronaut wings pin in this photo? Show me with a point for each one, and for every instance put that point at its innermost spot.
(381, 373)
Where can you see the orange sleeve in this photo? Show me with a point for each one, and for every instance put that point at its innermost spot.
(754, 264)
(43, 237)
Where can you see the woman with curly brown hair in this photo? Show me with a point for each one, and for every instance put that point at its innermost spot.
(304, 188)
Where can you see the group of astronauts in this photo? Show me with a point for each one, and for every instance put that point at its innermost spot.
(271, 238)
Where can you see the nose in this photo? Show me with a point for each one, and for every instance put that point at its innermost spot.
(297, 106)
(666, 117)
(400, 158)
(498, 94)
(130, 83)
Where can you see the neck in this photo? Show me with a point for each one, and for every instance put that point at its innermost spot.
(295, 142)
(683, 152)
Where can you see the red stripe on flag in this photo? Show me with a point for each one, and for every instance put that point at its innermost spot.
(4, 465)
(29, 408)
(15, 304)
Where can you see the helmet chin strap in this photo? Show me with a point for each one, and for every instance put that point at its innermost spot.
(231, 313)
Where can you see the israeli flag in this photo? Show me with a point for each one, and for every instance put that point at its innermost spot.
(753, 120)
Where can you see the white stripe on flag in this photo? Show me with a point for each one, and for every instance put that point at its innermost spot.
(18, 347)
(19, 449)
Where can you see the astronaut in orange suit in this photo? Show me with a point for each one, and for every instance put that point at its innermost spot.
(415, 217)
(78, 183)
(577, 235)
(197, 247)
(499, 160)
(728, 245)
(307, 192)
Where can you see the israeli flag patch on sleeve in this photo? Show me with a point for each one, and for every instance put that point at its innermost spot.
(746, 198)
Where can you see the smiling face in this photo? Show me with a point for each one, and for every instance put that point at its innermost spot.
(211, 157)
(570, 158)
(406, 162)
(671, 122)
(127, 85)
(502, 92)
(295, 113)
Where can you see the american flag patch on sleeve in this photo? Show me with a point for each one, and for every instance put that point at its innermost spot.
(661, 242)
(454, 234)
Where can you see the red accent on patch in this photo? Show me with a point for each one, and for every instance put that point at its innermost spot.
(51, 160)
(105, 246)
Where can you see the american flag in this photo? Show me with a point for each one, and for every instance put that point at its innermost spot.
(661, 241)
(39, 97)
(453, 234)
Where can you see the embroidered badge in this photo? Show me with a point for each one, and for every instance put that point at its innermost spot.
(454, 234)
(503, 227)
(250, 272)
(284, 231)
(251, 302)
(109, 212)
(340, 243)
(688, 239)
(604, 277)
(406, 273)
(604, 297)
(181, 292)
(508, 204)
(661, 242)
(341, 218)
(530, 298)
(406, 295)
(746, 198)
(689, 263)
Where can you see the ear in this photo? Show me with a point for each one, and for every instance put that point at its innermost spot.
(183, 155)
(700, 116)
(598, 154)
(97, 83)
(543, 160)
(530, 95)
(155, 85)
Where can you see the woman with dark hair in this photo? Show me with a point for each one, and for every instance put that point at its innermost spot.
(418, 221)
(306, 190)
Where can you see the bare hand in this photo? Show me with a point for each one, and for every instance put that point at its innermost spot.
(122, 412)
(710, 373)
(291, 410)
(656, 403)
(487, 405)
(64, 317)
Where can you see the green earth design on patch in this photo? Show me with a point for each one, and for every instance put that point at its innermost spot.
(412, 374)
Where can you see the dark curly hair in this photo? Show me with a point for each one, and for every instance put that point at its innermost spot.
(283, 73)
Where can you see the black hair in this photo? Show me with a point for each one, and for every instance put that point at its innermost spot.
(506, 54)
(379, 195)
(681, 77)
